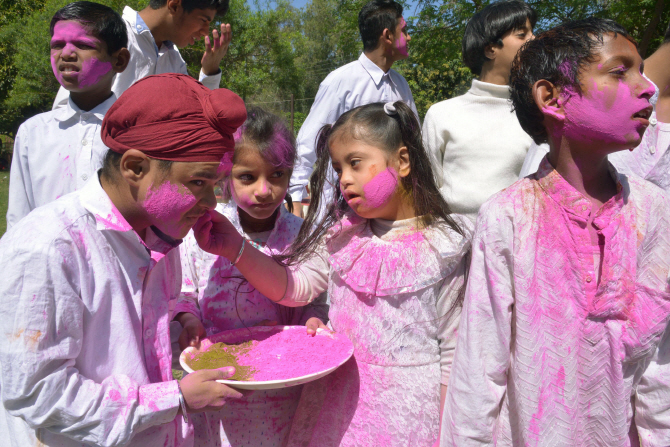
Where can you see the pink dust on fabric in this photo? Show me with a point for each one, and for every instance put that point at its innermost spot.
(605, 115)
(401, 41)
(380, 189)
(291, 353)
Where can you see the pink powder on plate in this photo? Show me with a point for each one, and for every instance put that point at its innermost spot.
(380, 189)
(283, 354)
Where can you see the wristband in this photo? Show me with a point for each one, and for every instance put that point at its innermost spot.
(239, 255)
(182, 403)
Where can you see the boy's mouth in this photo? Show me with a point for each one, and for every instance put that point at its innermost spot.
(644, 114)
(68, 69)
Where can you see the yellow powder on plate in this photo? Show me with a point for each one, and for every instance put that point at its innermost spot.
(221, 354)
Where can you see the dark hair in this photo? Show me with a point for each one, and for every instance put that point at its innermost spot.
(374, 18)
(221, 6)
(269, 135)
(488, 26)
(556, 55)
(105, 23)
(112, 161)
(373, 125)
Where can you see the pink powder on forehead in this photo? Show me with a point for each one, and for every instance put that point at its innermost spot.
(72, 33)
(381, 188)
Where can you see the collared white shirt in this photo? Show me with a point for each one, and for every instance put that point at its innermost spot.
(552, 350)
(358, 83)
(55, 153)
(146, 59)
(84, 344)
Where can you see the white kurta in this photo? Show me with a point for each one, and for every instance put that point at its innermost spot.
(358, 83)
(145, 59)
(477, 145)
(391, 288)
(55, 153)
(217, 293)
(551, 351)
(84, 344)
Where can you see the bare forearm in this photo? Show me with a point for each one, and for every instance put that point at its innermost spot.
(263, 272)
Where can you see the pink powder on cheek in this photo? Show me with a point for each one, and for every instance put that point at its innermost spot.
(92, 70)
(167, 204)
(401, 41)
(381, 188)
(605, 115)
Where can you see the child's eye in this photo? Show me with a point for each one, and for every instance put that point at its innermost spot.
(619, 71)
(246, 177)
(354, 163)
(198, 182)
(278, 174)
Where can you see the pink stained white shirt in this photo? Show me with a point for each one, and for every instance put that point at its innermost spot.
(55, 153)
(547, 354)
(84, 342)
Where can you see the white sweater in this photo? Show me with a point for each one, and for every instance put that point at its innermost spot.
(477, 144)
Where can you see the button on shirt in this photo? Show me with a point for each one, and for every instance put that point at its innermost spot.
(55, 153)
(355, 84)
(548, 354)
(145, 59)
(84, 344)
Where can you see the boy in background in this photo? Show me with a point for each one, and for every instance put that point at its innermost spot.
(56, 152)
(156, 32)
(475, 139)
(366, 80)
(563, 337)
(87, 280)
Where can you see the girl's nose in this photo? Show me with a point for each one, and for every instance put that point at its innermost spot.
(263, 189)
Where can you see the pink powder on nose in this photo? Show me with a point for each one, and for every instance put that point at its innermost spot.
(381, 188)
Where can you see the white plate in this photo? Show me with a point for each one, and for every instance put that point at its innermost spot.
(241, 335)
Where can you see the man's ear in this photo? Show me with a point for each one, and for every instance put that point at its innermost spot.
(404, 167)
(173, 6)
(387, 37)
(549, 100)
(491, 51)
(120, 60)
(134, 166)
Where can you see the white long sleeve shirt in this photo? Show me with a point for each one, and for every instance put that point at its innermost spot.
(146, 59)
(55, 153)
(553, 350)
(358, 83)
(84, 345)
(477, 145)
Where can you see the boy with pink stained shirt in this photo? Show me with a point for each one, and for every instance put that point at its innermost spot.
(563, 335)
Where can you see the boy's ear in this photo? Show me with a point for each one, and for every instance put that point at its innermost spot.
(134, 166)
(173, 6)
(490, 51)
(548, 99)
(404, 167)
(386, 37)
(120, 60)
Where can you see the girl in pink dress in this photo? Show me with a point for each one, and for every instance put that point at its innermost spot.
(215, 297)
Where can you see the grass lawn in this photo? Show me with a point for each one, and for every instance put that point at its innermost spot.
(4, 194)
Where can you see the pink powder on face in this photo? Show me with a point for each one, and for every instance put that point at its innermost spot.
(401, 41)
(605, 115)
(167, 204)
(381, 188)
(69, 36)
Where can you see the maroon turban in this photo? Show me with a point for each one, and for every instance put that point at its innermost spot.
(174, 117)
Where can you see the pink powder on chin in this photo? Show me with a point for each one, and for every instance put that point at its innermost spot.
(381, 188)
(291, 353)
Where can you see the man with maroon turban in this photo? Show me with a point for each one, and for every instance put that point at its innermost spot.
(87, 279)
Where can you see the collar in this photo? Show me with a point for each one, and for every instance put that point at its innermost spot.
(108, 218)
(480, 88)
(71, 110)
(573, 202)
(376, 73)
